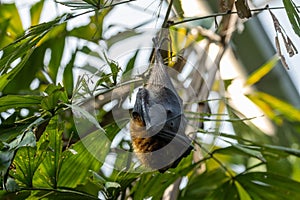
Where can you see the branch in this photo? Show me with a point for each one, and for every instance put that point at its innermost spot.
(165, 23)
(257, 10)
(212, 156)
(59, 190)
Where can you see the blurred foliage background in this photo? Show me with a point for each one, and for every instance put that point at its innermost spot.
(246, 125)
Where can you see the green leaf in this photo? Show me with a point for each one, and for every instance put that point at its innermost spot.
(112, 189)
(6, 78)
(56, 95)
(293, 15)
(93, 2)
(264, 185)
(225, 191)
(262, 71)
(24, 47)
(124, 178)
(242, 150)
(89, 51)
(87, 154)
(97, 178)
(46, 27)
(212, 179)
(57, 194)
(278, 106)
(4, 39)
(243, 194)
(49, 170)
(124, 161)
(8, 134)
(144, 187)
(278, 164)
(14, 195)
(62, 194)
(250, 150)
(56, 42)
(27, 161)
(19, 101)
(120, 37)
(85, 118)
(92, 31)
(178, 8)
(79, 5)
(27, 139)
(130, 64)
(35, 12)
(28, 73)
(68, 78)
(91, 69)
(278, 149)
(9, 12)
(112, 185)
(114, 128)
(243, 130)
(114, 67)
(91, 187)
(31, 38)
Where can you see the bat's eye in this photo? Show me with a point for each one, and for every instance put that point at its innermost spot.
(135, 116)
(172, 124)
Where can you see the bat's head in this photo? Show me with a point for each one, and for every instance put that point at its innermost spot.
(158, 108)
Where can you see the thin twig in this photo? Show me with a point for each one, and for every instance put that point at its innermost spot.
(226, 13)
(62, 190)
(211, 155)
(98, 9)
(165, 23)
(252, 167)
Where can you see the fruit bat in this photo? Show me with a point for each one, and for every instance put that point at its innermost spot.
(157, 125)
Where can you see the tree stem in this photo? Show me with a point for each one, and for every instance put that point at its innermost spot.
(165, 23)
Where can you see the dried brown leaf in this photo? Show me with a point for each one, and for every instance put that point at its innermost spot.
(275, 22)
(284, 63)
(277, 45)
(282, 58)
(287, 46)
(225, 5)
(243, 9)
(292, 46)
